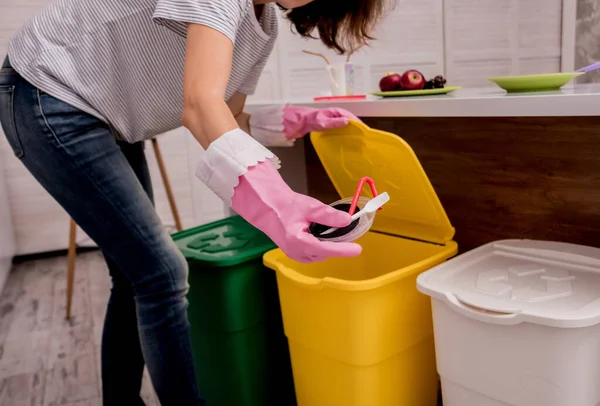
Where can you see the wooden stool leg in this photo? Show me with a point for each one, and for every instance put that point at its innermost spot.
(71, 265)
(165, 178)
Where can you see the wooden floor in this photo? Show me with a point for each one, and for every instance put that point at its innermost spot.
(44, 359)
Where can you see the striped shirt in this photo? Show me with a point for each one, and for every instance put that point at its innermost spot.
(122, 61)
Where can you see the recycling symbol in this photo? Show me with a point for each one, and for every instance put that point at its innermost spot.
(528, 283)
(215, 243)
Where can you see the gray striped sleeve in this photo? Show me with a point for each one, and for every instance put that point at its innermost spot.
(251, 82)
(116, 60)
(224, 16)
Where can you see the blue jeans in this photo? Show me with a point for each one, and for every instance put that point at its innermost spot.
(105, 187)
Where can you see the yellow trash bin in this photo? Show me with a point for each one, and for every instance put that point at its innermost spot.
(360, 333)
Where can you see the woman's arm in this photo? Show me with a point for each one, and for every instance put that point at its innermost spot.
(209, 55)
(280, 125)
(236, 106)
(237, 168)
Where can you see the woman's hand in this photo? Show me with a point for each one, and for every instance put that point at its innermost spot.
(282, 125)
(299, 121)
(264, 200)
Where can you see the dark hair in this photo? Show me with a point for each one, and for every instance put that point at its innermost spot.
(343, 25)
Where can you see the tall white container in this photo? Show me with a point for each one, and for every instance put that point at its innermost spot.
(517, 323)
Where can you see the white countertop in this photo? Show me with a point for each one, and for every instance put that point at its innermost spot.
(576, 100)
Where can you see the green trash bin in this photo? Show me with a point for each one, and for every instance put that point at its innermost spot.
(240, 350)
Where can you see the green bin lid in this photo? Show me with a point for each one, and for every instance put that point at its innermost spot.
(223, 243)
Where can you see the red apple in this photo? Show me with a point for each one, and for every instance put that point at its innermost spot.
(390, 82)
(412, 80)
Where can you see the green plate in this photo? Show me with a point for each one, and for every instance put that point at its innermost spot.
(426, 92)
(535, 83)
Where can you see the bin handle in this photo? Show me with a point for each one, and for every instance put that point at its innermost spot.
(299, 279)
(359, 189)
(271, 260)
(495, 316)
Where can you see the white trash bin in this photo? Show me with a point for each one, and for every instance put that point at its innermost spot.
(517, 323)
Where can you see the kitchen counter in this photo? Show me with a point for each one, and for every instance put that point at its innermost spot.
(503, 165)
(575, 100)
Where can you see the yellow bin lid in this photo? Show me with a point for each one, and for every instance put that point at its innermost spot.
(355, 151)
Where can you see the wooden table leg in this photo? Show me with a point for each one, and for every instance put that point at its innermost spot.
(71, 265)
(165, 178)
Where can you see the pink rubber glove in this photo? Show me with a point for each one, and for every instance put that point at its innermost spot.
(299, 121)
(242, 172)
(277, 126)
(264, 200)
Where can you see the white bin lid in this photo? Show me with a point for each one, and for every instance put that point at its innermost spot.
(515, 281)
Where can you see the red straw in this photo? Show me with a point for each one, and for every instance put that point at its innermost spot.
(361, 184)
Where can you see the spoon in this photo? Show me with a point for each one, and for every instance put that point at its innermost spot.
(589, 68)
(371, 207)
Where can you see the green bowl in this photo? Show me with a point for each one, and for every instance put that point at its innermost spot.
(535, 83)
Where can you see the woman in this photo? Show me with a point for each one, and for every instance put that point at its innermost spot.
(86, 82)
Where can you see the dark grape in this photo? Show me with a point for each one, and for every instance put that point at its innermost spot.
(437, 82)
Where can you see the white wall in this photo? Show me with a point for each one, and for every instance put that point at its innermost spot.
(411, 36)
(41, 225)
(7, 236)
(587, 41)
(34, 216)
(466, 40)
(501, 37)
